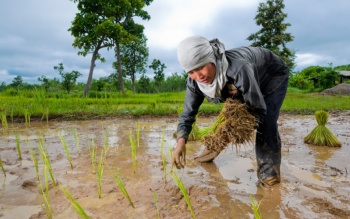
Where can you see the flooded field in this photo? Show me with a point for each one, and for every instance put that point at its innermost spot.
(315, 180)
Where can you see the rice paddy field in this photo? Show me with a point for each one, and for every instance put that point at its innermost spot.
(64, 157)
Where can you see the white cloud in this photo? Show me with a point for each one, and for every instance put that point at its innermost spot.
(5, 77)
(172, 21)
(307, 59)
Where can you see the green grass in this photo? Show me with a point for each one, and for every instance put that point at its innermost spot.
(297, 103)
(4, 121)
(26, 116)
(161, 104)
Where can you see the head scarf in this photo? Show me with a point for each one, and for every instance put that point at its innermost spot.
(196, 51)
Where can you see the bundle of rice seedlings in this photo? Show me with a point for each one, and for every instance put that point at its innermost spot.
(321, 135)
(212, 128)
(194, 134)
(235, 125)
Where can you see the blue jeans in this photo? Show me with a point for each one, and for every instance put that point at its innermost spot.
(268, 141)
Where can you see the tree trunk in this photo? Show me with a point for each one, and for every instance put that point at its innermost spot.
(133, 75)
(120, 74)
(91, 72)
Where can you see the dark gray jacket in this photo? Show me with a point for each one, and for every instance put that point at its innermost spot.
(255, 72)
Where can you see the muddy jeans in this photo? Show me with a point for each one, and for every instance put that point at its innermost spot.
(268, 141)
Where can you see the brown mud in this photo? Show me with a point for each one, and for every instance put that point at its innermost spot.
(315, 180)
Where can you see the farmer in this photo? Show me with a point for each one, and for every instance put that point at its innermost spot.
(255, 76)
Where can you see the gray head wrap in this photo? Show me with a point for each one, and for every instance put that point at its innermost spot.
(196, 51)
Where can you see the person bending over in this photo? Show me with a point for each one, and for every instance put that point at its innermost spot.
(255, 76)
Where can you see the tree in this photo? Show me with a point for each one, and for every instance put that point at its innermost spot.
(158, 69)
(273, 35)
(144, 84)
(175, 82)
(45, 82)
(104, 24)
(134, 56)
(315, 77)
(68, 78)
(2, 86)
(99, 84)
(17, 82)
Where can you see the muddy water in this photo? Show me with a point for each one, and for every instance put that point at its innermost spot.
(315, 180)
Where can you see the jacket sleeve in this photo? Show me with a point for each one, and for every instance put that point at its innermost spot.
(193, 101)
(247, 81)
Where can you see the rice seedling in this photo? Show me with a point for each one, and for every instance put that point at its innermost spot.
(138, 134)
(163, 158)
(45, 115)
(207, 130)
(133, 151)
(64, 144)
(106, 143)
(35, 161)
(77, 141)
(43, 191)
(26, 116)
(120, 184)
(99, 175)
(77, 208)
(92, 155)
(156, 203)
(255, 207)
(46, 160)
(45, 194)
(4, 121)
(321, 135)
(2, 167)
(182, 188)
(18, 146)
(195, 133)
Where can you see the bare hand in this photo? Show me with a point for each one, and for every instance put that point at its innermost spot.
(179, 154)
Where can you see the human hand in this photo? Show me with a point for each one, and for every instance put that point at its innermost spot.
(179, 154)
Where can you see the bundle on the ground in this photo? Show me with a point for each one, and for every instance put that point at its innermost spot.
(321, 135)
(236, 127)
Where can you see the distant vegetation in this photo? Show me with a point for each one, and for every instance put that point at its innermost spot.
(64, 99)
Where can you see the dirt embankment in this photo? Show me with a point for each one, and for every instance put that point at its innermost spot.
(340, 89)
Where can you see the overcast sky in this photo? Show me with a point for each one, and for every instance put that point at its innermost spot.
(34, 36)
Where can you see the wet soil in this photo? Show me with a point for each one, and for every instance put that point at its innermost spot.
(315, 179)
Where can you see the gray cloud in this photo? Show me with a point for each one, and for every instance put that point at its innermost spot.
(34, 36)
